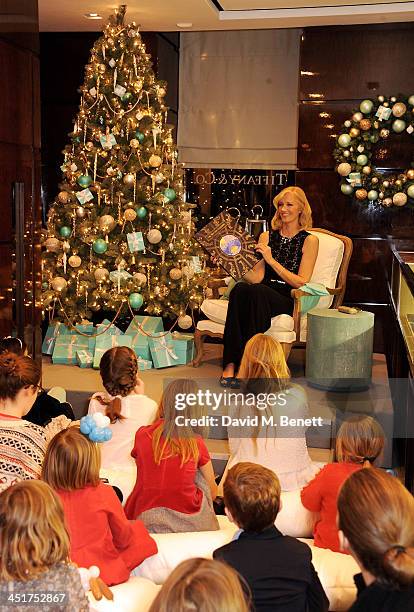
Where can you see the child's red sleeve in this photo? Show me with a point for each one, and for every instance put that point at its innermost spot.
(311, 495)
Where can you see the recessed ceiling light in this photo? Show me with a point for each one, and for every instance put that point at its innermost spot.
(184, 24)
(92, 16)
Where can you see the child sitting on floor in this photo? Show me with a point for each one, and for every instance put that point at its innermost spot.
(175, 482)
(376, 523)
(100, 534)
(359, 443)
(202, 585)
(34, 551)
(126, 405)
(277, 568)
(22, 444)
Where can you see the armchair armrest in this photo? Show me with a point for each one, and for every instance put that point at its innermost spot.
(296, 295)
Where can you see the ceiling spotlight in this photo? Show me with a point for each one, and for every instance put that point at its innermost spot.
(92, 16)
(184, 24)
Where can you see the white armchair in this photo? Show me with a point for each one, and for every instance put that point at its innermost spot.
(331, 268)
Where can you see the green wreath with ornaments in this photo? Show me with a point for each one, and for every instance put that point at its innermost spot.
(373, 123)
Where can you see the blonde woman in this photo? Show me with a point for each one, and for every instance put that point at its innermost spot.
(34, 551)
(360, 441)
(289, 253)
(376, 523)
(175, 482)
(265, 375)
(203, 585)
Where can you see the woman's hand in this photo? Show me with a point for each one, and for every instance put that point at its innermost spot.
(265, 251)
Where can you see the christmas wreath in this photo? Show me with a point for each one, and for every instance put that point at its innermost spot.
(372, 124)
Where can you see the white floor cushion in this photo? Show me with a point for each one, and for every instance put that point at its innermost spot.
(136, 595)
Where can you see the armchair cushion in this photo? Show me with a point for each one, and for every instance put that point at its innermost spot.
(328, 262)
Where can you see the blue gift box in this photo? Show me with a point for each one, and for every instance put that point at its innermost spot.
(144, 364)
(84, 358)
(109, 328)
(183, 347)
(144, 324)
(106, 341)
(162, 350)
(139, 344)
(52, 332)
(66, 347)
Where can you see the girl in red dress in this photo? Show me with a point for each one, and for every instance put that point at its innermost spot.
(100, 533)
(175, 482)
(359, 443)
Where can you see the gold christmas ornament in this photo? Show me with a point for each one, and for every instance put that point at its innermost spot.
(361, 194)
(140, 278)
(134, 143)
(386, 184)
(354, 132)
(399, 109)
(89, 146)
(101, 68)
(175, 274)
(101, 274)
(357, 117)
(59, 283)
(188, 271)
(80, 212)
(346, 153)
(155, 161)
(374, 180)
(387, 202)
(399, 199)
(111, 171)
(410, 174)
(154, 236)
(365, 124)
(52, 245)
(129, 179)
(130, 214)
(74, 261)
(344, 169)
(398, 183)
(64, 197)
(106, 223)
(366, 170)
(384, 133)
(185, 322)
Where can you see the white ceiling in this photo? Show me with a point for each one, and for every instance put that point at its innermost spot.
(163, 15)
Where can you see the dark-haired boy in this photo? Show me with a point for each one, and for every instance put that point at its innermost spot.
(278, 568)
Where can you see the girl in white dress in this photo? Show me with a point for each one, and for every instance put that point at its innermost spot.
(265, 374)
(126, 405)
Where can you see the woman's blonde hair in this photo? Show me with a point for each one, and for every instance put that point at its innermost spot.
(305, 216)
(376, 515)
(202, 585)
(72, 461)
(168, 439)
(360, 439)
(33, 536)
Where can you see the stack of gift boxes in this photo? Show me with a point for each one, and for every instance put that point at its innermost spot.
(86, 344)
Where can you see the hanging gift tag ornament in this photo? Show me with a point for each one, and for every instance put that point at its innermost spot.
(84, 196)
(354, 179)
(93, 92)
(107, 141)
(112, 62)
(119, 90)
(383, 113)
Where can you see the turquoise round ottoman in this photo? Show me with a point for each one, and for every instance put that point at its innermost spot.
(339, 349)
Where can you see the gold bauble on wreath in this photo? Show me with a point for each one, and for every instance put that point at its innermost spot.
(361, 194)
(365, 124)
(410, 174)
(399, 109)
(354, 132)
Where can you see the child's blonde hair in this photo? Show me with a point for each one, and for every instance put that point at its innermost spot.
(305, 217)
(33, 536)
(376, 515)
(202, 585)
(168, 439)
(360, 439)
(72, 461)
(263, 357)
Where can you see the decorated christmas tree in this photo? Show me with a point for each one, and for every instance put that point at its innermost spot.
(119, 232)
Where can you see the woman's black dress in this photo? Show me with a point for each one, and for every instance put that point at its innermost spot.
(252, 306)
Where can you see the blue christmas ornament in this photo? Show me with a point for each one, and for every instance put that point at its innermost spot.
(99, 246)
(84, 180)
(170, 194)
(135, 300)
(139, 136)
(141, 212)
(65, 231)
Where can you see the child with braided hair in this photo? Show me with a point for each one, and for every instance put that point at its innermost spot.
(126, 405)
(22, 444)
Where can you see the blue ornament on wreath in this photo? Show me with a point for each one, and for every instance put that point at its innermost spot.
(65, 231)
(99, 246)
(84, 180)
(135, 300)
(139, 136)
(141, 212)
(170, 194)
